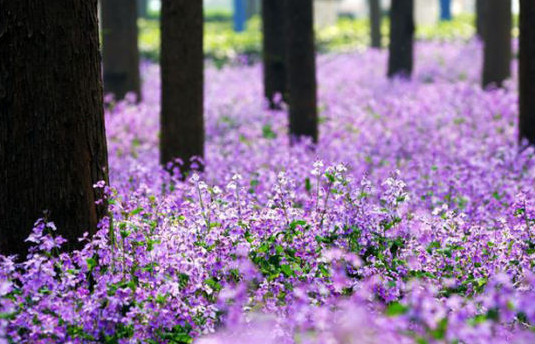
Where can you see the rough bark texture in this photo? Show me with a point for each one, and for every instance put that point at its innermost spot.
(527, 71)
(400, 58)
(375, 23)
(142, 8)
(301, 64)
(480, 18)
(182, 124)
(52, 137)
(119, 47)
(497, 51)
(274, 50)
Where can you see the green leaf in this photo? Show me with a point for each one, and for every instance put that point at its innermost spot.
(287, 270)
(396, 309)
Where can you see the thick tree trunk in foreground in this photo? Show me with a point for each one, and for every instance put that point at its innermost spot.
(480, 18)
(400, 58)
(375, 23)
(274, 50)
(497, 51)
(119, 47)
(52, 138)
(182, 64)
(301, 64)
(527, 71)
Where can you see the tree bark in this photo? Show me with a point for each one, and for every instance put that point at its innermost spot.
(480, 18)
(497, 50)
(375, 23)
(182, 65)
(527, 71)
(52, 137)
(119, 47)
(301, 66)
(400, 58)
(274, 50)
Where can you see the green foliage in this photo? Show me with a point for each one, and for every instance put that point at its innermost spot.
(222, 45)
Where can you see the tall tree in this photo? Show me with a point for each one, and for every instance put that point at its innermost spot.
(400, 58)
(375, 23)
(182, 66)
(527, 71)
(120, 49)
(497, 50)
(301, 64)
(52, 139)
(480, 17)
(274, 50)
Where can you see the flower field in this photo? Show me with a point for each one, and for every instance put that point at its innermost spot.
(411, 221)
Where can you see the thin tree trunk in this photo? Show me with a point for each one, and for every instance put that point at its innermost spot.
(301, 64)
(119, 47)
(182, 65)
(52, 137)
(400, 58)
(497, 51)
(375, 23)
(480, 17)
(527, 71)
(274, 50)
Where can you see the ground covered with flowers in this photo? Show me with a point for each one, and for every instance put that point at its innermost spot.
(411, 222)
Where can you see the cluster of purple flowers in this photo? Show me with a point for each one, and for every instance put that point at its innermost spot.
(411, 222)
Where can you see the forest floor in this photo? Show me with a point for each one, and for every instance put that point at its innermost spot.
(410, 222)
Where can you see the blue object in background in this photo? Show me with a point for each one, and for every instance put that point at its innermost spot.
(445, 9)
(239, 15)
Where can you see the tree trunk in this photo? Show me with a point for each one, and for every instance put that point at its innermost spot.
(119, 46)
(182, 64)
(274, 50)
(480, 18)
(375, 23)
(400, 58)
(301, 64)
(52, 137)
(142, 8)
(527, 71)
(497, 51)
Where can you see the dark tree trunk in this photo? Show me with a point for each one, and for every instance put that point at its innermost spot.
(480, 17)
(497, 51)
(400, 58)
(143, 8)
(182, 64)
(274, 50)
(527, 71)
(301, 67)
(52, 138)
(375, 23)
(119, 47)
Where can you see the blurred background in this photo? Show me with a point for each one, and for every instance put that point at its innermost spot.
(233, 27)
